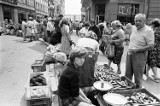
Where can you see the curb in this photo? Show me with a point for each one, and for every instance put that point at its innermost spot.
(41, 40)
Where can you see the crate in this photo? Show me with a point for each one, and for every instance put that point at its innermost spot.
(129, 93)
(37, 92)
(39, 102)
(38, 66)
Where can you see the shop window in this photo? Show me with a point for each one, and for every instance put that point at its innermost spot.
(127, 12)
(8, 12)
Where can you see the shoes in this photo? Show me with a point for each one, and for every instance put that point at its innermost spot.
(145, 77)
(157, 80)
(118, 71)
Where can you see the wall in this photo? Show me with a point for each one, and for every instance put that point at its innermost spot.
(153, 9)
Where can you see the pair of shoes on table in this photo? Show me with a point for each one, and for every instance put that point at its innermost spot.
(157, 80)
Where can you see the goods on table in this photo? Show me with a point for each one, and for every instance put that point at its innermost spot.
(102, 85)
(114, 99)
(103, 72)
(38, 80)
(140, 96)
(122, 83)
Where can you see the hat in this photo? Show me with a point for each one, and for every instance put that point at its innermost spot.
(77, 52)
(49, 18)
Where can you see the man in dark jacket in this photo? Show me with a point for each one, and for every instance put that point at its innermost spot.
(95, 29)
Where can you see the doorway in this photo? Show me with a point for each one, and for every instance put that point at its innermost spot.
(100, 13)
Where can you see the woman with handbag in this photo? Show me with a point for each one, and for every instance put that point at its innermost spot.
(117, 39)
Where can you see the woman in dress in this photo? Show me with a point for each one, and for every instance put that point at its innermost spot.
(154, 54)
(65, 39)
(117, 41)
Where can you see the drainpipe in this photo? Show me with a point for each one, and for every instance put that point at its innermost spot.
(148, 4)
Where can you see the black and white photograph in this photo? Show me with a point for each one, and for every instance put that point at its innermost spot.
(79, 52)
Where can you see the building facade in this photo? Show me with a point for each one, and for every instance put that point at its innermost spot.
(123, 10)
(8, 10)
(56, 7)
(41, 8)
(17, 10)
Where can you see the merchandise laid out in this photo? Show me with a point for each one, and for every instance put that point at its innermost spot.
(120, 91)
(111, 89)
(43, 81)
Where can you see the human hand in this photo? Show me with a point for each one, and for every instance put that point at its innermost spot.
(88, 100)
(132, 51)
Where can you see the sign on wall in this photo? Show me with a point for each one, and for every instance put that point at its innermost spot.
(128, 9)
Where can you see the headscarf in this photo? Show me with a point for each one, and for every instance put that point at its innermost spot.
(77, 52)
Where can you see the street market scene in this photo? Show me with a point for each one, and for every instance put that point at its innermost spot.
(80, 52)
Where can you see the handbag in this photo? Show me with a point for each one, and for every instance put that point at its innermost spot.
(109, 51)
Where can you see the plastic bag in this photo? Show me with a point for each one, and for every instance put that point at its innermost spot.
(109, 52)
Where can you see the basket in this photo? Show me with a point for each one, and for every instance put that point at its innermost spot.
(37, 92)
(38, 66)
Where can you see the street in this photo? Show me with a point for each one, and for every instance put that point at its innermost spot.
(16, 57)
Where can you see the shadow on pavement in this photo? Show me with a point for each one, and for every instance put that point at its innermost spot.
(22, 41)
(39, 47)
(23, 101)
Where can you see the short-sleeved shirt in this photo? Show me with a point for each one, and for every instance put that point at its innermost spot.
(141, 38)
(84, 31)
(88, 42)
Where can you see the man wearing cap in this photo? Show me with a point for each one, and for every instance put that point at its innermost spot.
(87, 69)
(68, 89)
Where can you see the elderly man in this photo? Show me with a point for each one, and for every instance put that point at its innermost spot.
(141, 40)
